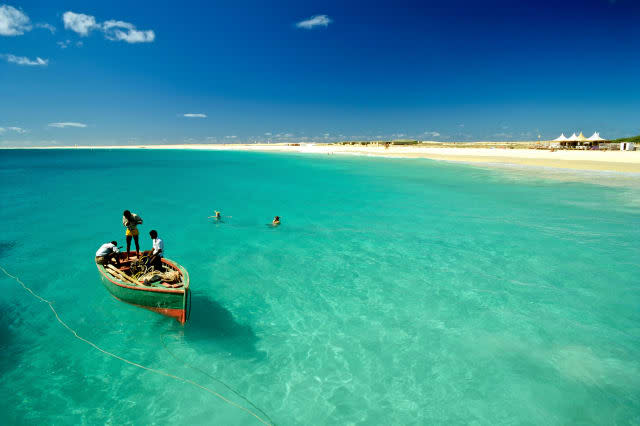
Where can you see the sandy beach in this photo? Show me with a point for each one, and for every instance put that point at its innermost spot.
(613, 161)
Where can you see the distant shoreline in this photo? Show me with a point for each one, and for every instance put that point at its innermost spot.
(482, 152)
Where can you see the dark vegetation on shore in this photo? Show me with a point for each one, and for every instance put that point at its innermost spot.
(635, 139)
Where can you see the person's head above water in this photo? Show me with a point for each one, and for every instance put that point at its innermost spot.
(115, 243)
(126, 214)
(276, 218)
(153, 233)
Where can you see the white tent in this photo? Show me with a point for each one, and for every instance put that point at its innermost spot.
(573, 138)
(581, 138)
(560, 138)
(595, 137)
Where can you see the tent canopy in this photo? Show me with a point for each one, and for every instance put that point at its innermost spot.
(595, 137)
(573, 138)
(579, 138)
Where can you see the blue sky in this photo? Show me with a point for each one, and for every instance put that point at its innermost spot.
(74, 72)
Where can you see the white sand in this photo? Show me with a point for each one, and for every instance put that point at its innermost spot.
(616, 161)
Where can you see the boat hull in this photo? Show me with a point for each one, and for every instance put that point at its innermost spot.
(171, 302)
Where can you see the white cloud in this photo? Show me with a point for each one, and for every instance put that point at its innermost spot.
(47, 27)
(314, 21)
(503, 135)
(112, 29)
(18, 130)
(67, 124)
(195, 115)
(268, 134)
(432, 134)
(13, 22)
(23, 60)
(231, 137)
(63, 44)
(79, 23)
(124, 31)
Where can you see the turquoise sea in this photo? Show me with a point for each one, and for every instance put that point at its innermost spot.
(396, 291)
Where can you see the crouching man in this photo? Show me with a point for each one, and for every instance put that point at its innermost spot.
(108, 253)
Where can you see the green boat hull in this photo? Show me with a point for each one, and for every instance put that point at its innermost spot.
(172, 302)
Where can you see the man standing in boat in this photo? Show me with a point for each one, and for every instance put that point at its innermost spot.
(108, 252)
(131, 222)
(157, 252)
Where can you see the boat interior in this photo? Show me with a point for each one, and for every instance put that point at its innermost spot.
(132, 272)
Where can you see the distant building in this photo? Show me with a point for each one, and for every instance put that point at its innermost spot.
(627, 146)
(578, 140)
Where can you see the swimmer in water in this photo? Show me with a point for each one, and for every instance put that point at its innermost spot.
(276, 221)
(218, 217)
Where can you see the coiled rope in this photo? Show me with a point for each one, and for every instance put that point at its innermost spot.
(135, 364)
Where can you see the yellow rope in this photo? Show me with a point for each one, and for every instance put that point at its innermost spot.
(214, 378)
(166, 276)
(153, 370)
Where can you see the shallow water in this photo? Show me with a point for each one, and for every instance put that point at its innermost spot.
(396, 291)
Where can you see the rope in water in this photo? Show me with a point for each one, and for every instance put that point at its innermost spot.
(214, 378)
(153, 370)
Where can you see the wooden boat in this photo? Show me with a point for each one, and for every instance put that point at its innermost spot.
(172, 302)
